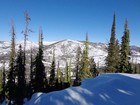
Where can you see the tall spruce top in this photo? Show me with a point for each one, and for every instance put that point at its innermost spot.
(126, 30)
(126, 25)
(13, 39)
(86, 45)
(40, 37)
(113, 30)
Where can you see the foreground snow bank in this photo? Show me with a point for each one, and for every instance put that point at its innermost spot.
(106, 89)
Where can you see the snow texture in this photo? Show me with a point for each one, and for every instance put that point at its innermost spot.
(106, 89)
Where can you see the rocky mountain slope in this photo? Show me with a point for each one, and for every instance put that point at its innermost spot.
(65, 49)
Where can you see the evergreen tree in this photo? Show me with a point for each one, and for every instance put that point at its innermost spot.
(31, 85)
(77, 78)
(58, 74)
(111, 58)
(135, 68)
(20, 74)
(85, 62)
(10, 86)
(66, 72)
(66, 76)
(3, 79)
(117, 56)
(59, 80)
(52, 72)
(93, 68)
(2, 83)
(61, 77)
(124, 64)
(39, 68)
(69, 71)
(26, 33)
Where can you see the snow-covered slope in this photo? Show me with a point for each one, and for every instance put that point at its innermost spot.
(63, 49)
(106, 89)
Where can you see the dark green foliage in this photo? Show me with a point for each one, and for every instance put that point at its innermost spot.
(93, 68)
(30, 87)
(2, 83)
(77, 78)
(69, 71)
(39, 75)
(52, 72)
(112, 48)
(39, 68)
(59, 80)
(3, 79)
(20, 76)
(66, 73)
(124, 64)
(66, 76)
(117, 56)
(10, 86)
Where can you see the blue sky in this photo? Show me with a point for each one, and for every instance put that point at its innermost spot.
(71, 19)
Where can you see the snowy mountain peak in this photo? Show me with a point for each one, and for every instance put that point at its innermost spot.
(66, 48)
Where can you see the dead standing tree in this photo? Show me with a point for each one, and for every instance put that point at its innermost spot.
(25, 32)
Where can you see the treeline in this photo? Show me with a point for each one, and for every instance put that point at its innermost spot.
(14, 86)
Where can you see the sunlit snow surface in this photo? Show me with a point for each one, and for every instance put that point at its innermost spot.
(106, 89)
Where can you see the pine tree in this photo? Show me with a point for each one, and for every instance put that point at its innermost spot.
(26, 33)
(85, 63)
(124, 64)
(117, 56)
(39, 68)
(20, 74)
(10, 86)
(2, 83)
(69, 71)
(66, 72)
(110, 59)
(93, 68)
(77, 78)
(3, 79)
(52, 72)
(66, 76)
(31, 85)
(58, 73)
(58, 84)
(135, 68)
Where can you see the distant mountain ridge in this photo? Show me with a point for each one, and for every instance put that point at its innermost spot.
(64, 49)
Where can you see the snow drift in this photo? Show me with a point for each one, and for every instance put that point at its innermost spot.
(106, 89)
